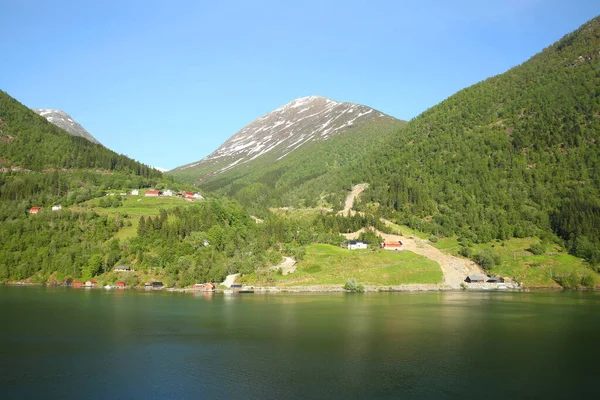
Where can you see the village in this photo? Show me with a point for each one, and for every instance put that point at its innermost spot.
(186, 195)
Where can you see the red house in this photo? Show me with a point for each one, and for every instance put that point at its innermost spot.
(209, 287)
(391, 245)
(152, 193)
(185, 194)
(121, 285)
(35, 210)
(77, 284)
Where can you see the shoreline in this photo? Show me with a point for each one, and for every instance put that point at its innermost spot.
(329, 288)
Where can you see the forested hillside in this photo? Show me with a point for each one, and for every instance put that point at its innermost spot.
(515, 155)
(29, 141)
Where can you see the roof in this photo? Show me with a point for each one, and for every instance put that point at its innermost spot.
(476, 277)
(357, 242)
(157, 283)
(35, 208)
(122, 267)
(121, 284)
(152, 191)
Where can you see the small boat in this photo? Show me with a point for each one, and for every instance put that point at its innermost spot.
(107, 287)
(246, 291)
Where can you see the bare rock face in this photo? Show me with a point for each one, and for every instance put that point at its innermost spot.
(64, 121)
(285, 130)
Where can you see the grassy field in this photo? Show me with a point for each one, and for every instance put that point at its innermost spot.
(330, 265)
(140, 205)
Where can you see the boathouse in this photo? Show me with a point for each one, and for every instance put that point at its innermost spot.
(475, 278)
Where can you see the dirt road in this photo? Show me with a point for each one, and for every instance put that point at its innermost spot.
(356, 191)
(288, 266)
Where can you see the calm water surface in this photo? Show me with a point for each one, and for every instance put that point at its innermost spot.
(61, 343)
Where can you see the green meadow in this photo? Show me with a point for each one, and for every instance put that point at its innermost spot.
(330, 265)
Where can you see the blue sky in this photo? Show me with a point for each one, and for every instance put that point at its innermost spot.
(166, 82)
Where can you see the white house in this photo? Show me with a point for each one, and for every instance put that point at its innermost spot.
(168, 192)
(355, 244)
(198, 196)
(135, 192)
(56, 208)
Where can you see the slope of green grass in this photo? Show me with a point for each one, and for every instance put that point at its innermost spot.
(330, 265)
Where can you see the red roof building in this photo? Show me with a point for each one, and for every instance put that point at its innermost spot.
(35, 210)
(121, 284)
(187, 194)
(209, 287)
(391, 245)
(152, 193)
(77, 284)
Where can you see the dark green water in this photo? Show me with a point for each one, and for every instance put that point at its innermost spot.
(60, 343)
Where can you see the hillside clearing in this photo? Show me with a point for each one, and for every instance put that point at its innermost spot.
(330, 265)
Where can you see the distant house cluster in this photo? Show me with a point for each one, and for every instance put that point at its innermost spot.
(191, 196)
(36, 209)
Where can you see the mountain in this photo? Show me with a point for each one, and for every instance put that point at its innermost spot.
(64, 121)
(29, 141)
(281, 132)
(515, 155)
(281, 152)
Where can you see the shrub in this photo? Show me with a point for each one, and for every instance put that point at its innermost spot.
(466, 252)
(537, 249)
(353, 286)
(433, 239)
(486, 259)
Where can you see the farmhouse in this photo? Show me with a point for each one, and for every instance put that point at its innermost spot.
(475, 278)
(356, 244)
(209, 287)
(135, 192)
(186, 193)
(35, 210)
(91, 283)
(198, 196)
(152, 193)
(121, 268)
(168, 192)
(392, 245)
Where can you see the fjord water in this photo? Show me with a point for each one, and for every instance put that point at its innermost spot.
(61, 343)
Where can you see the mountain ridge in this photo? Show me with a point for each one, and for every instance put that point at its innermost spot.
(65, 122)
(283, 131)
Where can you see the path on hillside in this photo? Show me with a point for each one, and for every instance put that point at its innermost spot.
(356, 191)
(230, 280)
(288, 266)
(455, 269)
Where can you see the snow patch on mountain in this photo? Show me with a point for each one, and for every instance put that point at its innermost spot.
(286, 129)
(66, 122)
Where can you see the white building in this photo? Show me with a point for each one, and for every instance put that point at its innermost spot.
(355, 244)
(198, 196)
(56, 208)
(168, 192)
(135, 192)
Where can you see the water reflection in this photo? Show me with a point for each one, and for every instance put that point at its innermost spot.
(392, 345)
